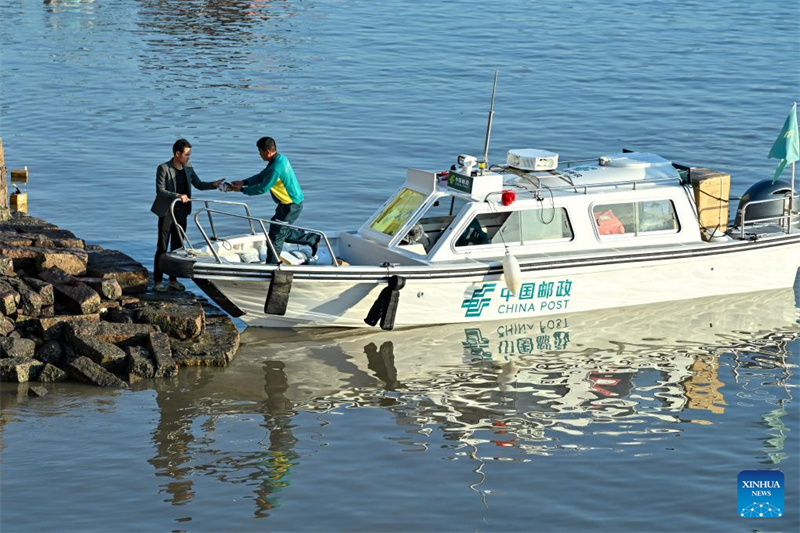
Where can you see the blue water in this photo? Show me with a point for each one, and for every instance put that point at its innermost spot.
(92, 95)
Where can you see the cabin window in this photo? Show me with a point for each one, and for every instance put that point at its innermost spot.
(445, 208)
(517, 227)
(395, 215)
(426, 233)
(635, 218)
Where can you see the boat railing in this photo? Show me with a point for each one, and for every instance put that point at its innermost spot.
(182, 234)
(583, 161)
(781, 220)
(584, 188)
(251, 220)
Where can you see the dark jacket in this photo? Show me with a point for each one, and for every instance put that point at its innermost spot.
(166, 187)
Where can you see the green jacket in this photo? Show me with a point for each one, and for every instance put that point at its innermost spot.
(278, 178)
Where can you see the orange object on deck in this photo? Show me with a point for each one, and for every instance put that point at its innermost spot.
(609, 224)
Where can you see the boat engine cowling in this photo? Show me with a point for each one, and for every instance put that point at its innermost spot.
(764, 190)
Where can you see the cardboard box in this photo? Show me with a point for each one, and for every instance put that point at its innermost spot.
(711, 195)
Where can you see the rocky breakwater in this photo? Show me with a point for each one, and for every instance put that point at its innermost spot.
(74, 311)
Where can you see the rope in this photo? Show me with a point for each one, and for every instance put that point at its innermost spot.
(552, 206)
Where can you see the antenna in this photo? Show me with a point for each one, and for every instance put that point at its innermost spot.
(484, 164)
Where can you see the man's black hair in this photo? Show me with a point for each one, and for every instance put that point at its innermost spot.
(266, 144)
(180, 145)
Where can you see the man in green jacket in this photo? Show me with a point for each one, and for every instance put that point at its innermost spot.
(278, 178)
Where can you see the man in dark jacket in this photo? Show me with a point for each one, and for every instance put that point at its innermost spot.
(174, 180)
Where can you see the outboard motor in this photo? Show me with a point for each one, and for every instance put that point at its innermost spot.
(764, 190)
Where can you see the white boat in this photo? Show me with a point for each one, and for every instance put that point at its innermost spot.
(529, 238)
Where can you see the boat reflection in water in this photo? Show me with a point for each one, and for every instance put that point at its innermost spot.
(494, 391)
(562, 373)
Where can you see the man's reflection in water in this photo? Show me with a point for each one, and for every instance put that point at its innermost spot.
(180, 403)
(173, 436)
(278, 412)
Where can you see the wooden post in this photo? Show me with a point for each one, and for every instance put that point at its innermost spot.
(5, 214)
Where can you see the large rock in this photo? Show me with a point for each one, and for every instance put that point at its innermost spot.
(20, 221)
(57, 238)
(130, 274)
(50, 352)
(26, 326)
(217, 346)
(17, 347)
(139, 363)
(69, 355)
(158, 344)
(105, 354)
(128, 300)
(183, 319)
(110, 304)
(78, 298)
(6, 266)
(44, 289)
(9, 298)
(6, 325)
(70, 260)
(37, 391)
(56, 276)
(53, 328)
(30, 303)
(12, 238)
(108, 288)
(29, 230)
(19, 369)
(121, 334)
(84, 369)
(118, 315)
(23, 256)
(70, 292)
(51, 374)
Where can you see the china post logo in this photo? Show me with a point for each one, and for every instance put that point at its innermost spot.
(479, 300)
(760, 493)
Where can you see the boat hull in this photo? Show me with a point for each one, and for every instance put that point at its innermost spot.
(561, 288)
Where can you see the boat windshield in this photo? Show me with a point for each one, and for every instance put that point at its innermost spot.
(432, 224)
(397, 212)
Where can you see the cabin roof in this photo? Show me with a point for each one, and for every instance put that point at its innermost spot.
(604, 174)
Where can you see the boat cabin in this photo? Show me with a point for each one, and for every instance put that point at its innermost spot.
(530, 207)
(471, 244)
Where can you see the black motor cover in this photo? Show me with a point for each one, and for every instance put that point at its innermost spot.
(764, 190)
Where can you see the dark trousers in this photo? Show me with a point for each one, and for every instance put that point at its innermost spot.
(168, 237)
(279, 234)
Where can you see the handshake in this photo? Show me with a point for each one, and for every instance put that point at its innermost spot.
(226, 186)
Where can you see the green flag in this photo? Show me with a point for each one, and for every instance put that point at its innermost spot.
(787, 145)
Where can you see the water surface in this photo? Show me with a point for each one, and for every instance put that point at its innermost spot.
(612, 421)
